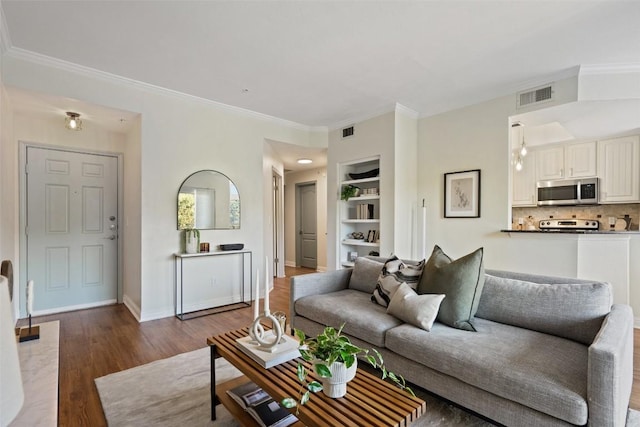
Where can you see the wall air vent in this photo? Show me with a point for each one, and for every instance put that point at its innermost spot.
(347, 132)
(534, 96)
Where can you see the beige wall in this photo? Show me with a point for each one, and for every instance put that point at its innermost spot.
(178, 135)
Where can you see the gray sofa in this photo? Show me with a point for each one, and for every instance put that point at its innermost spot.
(546, 351)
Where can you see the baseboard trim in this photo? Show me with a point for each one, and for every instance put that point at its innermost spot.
(132, 306)
(73, 308)
(636, 322)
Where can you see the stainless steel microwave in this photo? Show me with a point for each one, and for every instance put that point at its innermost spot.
(568, 192)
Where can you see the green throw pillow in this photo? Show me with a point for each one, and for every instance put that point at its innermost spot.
(461, 281)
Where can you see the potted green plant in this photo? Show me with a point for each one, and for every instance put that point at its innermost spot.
(349, 191)
(334, 360)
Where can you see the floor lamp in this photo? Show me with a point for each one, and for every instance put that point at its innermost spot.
(11, 392)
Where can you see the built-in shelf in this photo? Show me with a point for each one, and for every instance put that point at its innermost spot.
(364, 197)
(356, 242)
(352, 212)
(360, 181)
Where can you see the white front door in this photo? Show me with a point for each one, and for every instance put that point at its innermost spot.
(72, 229)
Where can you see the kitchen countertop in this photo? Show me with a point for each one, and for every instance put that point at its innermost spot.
(622, 232)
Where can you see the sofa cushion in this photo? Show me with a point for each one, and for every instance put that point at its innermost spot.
(365, 274)
(394, 272)
(362, 318)
(574, 311)
(460, 280)
(541, 371)
(419, 310)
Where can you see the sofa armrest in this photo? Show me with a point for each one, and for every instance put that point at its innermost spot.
(610, 376)
(316, 284)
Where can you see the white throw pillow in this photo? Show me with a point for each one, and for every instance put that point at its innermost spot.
(418, 310)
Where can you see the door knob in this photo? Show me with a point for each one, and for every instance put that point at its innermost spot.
(112, 237)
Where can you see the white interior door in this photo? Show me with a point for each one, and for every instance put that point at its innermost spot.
(72, 229)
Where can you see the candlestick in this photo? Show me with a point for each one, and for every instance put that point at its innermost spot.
(256, 331)
(266, 286)
(31, 332)
(256, 303)
(29, 297)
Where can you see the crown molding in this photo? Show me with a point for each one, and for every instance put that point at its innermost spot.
(362, 117)
(593, 69)
(47, 61)
(544, 80)
(407, 111)
(5, 40)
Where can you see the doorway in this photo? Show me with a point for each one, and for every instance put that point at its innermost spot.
(306, 224)
(277, 206)
(71, 220)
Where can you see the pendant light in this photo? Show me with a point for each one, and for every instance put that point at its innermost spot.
(523, 147)
(519, 163)
(73, 121)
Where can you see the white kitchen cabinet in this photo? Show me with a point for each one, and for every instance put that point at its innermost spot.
(524, 182)
(567, 161)
(360, 214)
(580, 160)
(550, 164)
(619, 169)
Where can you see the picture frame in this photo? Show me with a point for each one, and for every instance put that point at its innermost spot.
(462, 194)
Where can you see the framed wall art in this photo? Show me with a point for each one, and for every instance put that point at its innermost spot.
(462, 194)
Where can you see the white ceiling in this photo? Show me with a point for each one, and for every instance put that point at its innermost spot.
(327, 63)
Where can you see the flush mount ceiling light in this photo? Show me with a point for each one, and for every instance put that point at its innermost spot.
(304, 161)
(73, 121)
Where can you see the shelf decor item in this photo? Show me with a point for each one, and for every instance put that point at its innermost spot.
(349, 191)
(256, 331)
(191, 240)
(364, 175)
(334, 360)
(462, 194)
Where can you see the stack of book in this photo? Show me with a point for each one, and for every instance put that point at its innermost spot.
(286, 350)
(266, 411)
(364, 211)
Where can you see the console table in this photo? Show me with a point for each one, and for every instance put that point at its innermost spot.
(211, 282)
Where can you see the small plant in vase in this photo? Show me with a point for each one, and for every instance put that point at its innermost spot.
(191, 240)
(334, 360)
(349, 191)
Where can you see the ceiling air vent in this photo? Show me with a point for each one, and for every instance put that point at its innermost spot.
(534, 96)
(347, 132)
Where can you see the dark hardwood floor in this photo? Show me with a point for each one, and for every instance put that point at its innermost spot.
(100, 341)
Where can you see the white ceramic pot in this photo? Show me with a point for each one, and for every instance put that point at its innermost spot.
(191, 242)
(336, 386)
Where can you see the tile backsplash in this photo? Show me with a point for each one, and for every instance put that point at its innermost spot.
(532, 215)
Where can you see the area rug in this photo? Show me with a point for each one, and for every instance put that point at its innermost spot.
(174, 392)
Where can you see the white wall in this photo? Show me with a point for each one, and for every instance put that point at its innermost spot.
(178, 135)
(130, 223)
(8, 193)
(373, 137)
(476, 137)
(405, 185)
(291, 179)
(271, 164)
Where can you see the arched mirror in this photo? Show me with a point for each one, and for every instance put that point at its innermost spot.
(208, 200)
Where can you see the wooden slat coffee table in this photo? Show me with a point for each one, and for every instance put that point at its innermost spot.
(369, 400)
